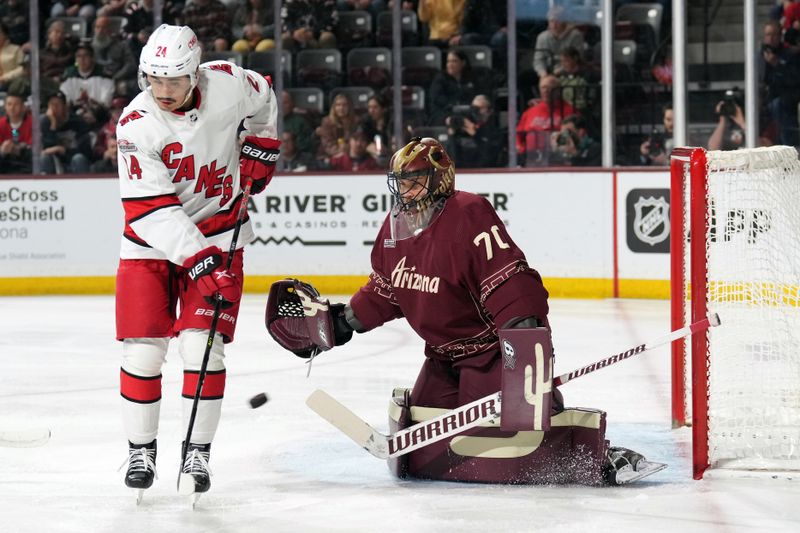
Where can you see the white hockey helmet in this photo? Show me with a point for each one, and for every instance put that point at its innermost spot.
(170, 52)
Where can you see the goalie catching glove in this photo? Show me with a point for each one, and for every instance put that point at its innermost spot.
(257, 161)
(206, 269)
(303, 323)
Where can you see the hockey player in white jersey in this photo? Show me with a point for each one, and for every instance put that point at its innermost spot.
(183, 162)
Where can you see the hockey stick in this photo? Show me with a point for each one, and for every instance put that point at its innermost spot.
(458, 420)
(213, 329)
(711, 320)
(24, 438)
(481, 411)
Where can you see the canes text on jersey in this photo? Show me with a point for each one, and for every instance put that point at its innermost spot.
(214, 180)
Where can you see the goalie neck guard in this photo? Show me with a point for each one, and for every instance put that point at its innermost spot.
(421, 177)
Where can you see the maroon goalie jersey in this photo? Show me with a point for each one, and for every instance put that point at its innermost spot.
(456, 282)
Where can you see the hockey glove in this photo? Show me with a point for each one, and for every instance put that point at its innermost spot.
(257, 161)
(303, 323)
(206, 269)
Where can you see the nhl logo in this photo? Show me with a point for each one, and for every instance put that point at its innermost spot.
(509, 355)
(651, 220)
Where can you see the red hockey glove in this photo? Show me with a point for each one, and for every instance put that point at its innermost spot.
(257, 161)
(206, 269)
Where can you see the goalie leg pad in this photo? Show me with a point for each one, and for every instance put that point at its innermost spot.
(573, 451)
(399, 418)
(527, 382)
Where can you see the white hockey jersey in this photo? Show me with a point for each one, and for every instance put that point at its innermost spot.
(179, 171)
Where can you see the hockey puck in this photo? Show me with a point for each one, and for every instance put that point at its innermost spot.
(258, 400)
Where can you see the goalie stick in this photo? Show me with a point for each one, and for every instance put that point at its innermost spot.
(485, 410)
(24, 438)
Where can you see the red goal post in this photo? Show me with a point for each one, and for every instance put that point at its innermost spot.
(737, 385)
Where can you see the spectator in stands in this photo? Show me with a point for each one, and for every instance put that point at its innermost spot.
(662, 67)
(23, 85)
(113, 54)
(14, 14)
(730, 131)
(543, 116)
(337, 127)
(578, 82)
(16, 137)
(309, 24)
(10, 58)
(108, 161)
(483, 22)
(253, 40)
(111, 8)
(443, 18)
(260, 12)
(781, 83)
(373, 7)
(292, 159)
(74, 8)
(109, 128)
(656, 148)
(298, 123)
(377, 124)
(455, 86)
(65, 139)
(85, 85)
(141, 17)
(58, 52)
(572, 145)
(355, 158)
(473, 136)
(211, 21)
(558, 36)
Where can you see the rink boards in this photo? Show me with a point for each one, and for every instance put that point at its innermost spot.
(597, 233)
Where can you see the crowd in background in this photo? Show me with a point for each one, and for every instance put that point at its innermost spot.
(86, 81)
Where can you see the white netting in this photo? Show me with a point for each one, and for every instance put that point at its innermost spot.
(753, 253)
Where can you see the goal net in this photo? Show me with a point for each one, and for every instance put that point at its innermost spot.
(735, 250)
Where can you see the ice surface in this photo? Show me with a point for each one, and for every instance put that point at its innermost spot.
(281, 468)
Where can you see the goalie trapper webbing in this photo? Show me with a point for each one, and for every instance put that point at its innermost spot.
(297, 318)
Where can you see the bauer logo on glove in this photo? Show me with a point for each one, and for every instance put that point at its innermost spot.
(205, 268)
(267, 156)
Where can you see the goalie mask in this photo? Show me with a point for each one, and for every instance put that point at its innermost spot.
(170, 52)
(421, 177)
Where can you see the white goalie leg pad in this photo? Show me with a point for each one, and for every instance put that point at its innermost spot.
(142, 359)
(192, 345)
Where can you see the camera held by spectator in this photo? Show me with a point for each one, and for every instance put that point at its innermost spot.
(729, 104)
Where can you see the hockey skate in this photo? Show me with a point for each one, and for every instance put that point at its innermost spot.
(141, 468)
(196, 475)
(626, 466)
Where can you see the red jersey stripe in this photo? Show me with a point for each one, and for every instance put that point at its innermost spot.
(136, 208)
